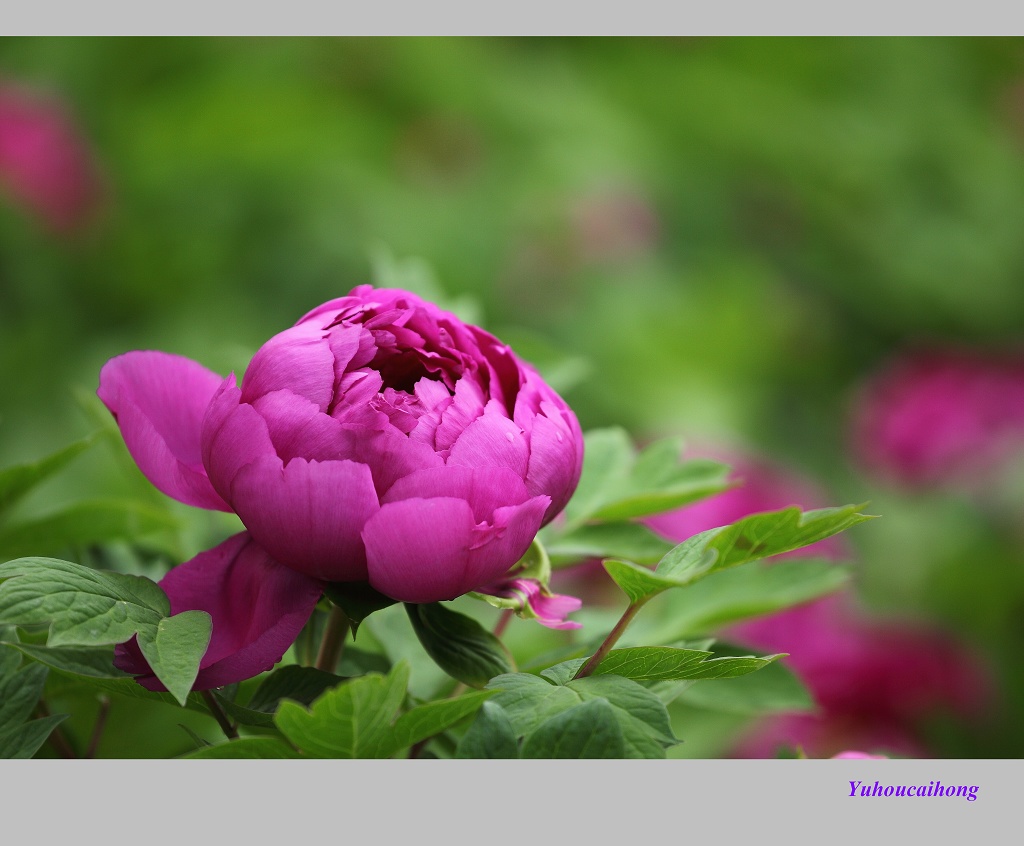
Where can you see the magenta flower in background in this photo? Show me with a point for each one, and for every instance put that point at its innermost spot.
(854, 754)
(938, 417)
(761, 485)
(872, 681)
(380, 440)
(45, 164)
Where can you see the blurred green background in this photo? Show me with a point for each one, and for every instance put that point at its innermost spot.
(718, 238)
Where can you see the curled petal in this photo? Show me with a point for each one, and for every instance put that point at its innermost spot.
(530, 599)
(492, 440)
(485, 488)
(298, 359)
(258, 609)
(308, 514)
(159, 401)
(554, 454)
(234, 435)
(427, 550)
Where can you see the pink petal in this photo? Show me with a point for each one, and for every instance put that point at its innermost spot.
(484, 488)
(492, 440)
(299, 360)
(159, 401)
(427, 550)
(299, 429)
(308, 514)
(553, 461)
(258, 609)
(234, 435)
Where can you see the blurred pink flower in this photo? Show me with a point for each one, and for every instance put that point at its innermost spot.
(762, 485)
(940, 417)
(45, 164)
(872, 681)
(852, 753)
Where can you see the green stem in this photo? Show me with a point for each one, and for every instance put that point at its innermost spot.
(218, 714)
(333, 640)
(610, 641)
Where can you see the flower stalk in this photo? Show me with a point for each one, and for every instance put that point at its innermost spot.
(333, 640)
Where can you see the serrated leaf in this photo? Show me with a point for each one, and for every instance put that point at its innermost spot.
(587, 730)
(357, 599)
(175, 648)
(249, 748)
(82, 524)
(753, 537)
(23, 741)
(632, 541)
(663, 663)
(490, 736)
(775, 689)
(17, 480)
(351, 720)
(458, 644)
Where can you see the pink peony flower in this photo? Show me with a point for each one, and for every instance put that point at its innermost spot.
(378, 440)
(940, 417)
(44, 162)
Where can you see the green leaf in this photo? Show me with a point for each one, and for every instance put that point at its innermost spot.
(637, 582)
(300, 684)
(743, 592)
(19, 479)
(82, 524)
(529, 701)
(489, 736)
(664, 663)
(86, 607)
(619, 484)
(252, 748)
(357, 599)
(424, 721)
(753, 537)
(83, 607)
(775, 689)
(632, 541)
(23, 741)
(608, 455)
(351, 720)
(175, 648)
(94, 661)
(458, 644)
(19, 693)
(587, 730)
